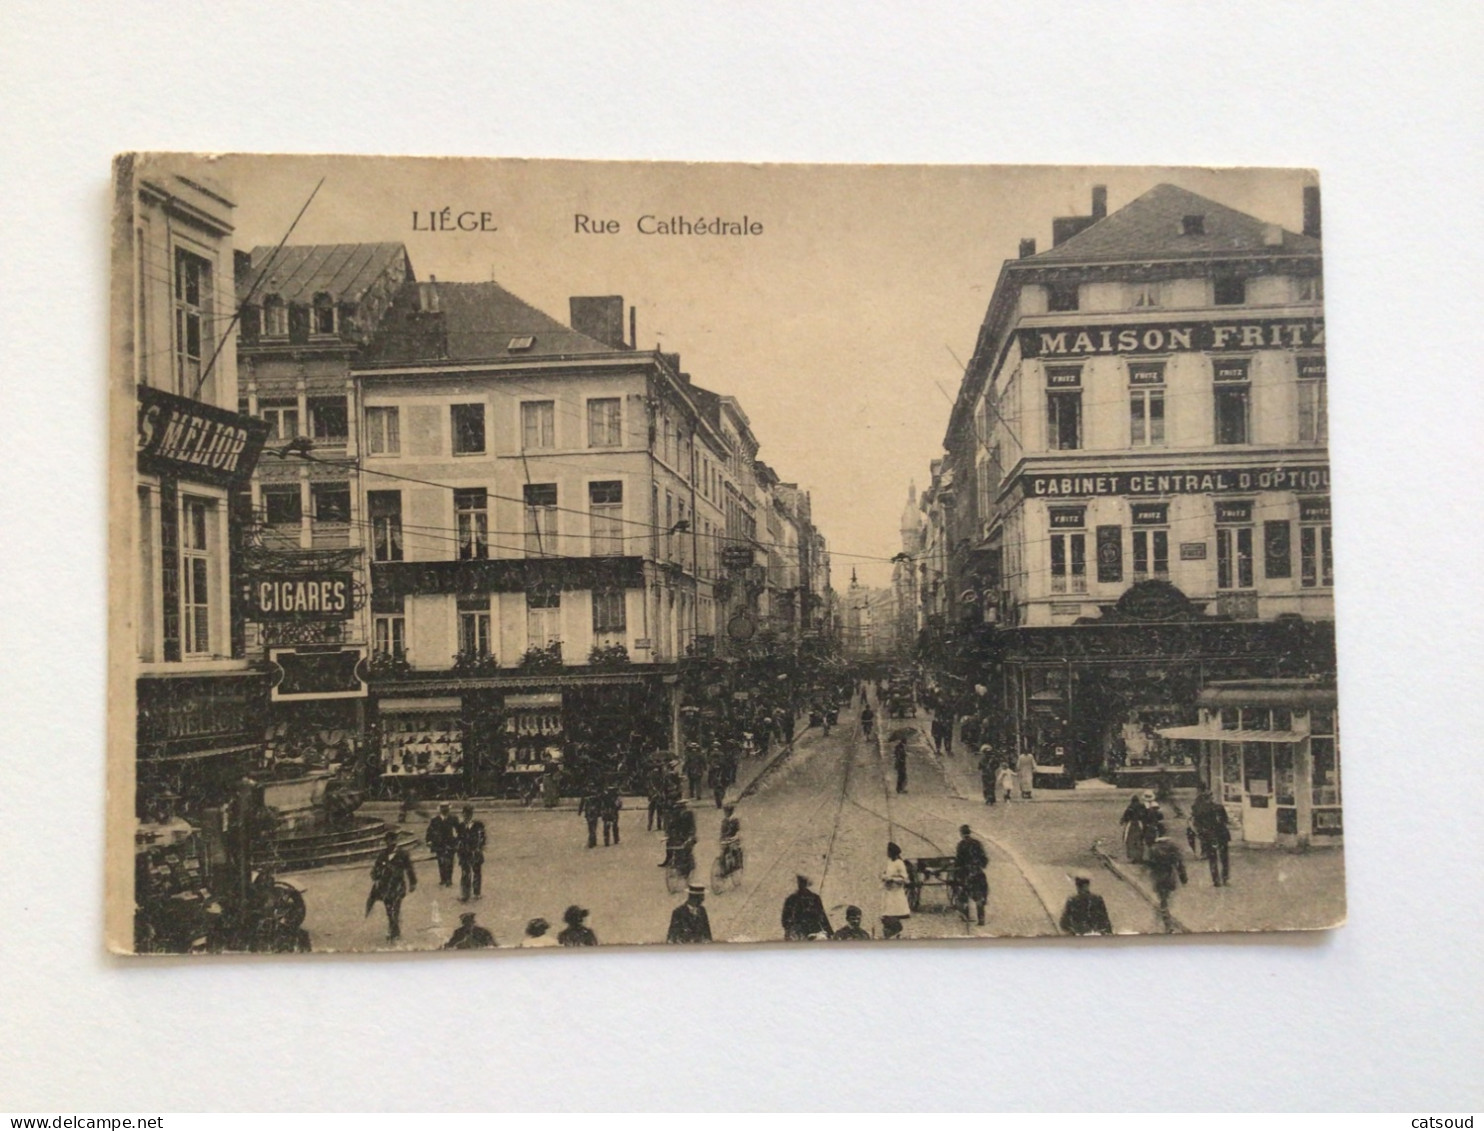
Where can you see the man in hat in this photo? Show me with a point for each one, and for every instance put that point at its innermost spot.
(969, 862)
(852, 929)
(588, 809)
(471, 855)
(899, 760)
(392, 878)
(1085, 913)
(680, 839)
(442, 840)
(803, 914)
(689, 922)
(1210, 825)
(1166, 863)
(469, 935)
(1133, 825)
(577, 932)
(609, 804)
(988, 767)
(537, 934)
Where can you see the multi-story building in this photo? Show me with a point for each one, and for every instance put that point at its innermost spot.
(196, 697)
(306, 312)
(1141, 483)
(535, 494)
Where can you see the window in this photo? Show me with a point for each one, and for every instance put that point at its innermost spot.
(1313, 411)
(1193, 225)
(1316, 556)
(1069, 563)
(275, 317)
(541, 518)
(282, 506)
(605, 508)
(383, 431)
(282, 418)
(1234, 545)
(331, 502)
(604, 418)
(1324, 753)
(1151, 554)
(1229, 290)
(669, 527)
(195, 575)
(328, 421)
(386, 525)
(192, 309)
(1232, 400)
(1061, 297)
(610, 617)
(1146, 406)
(1064, 420)
(1310, 288)
(543, 618)
(1277, 550)
(521, 343)
(471, 517)
(1146, 294)
(468, 429)
(537, 425)
(322, 318)
(474, 625)
(388, 624)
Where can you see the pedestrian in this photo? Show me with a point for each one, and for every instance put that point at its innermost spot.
(868, 721)
(895, 880)
(987, 766)
(392, 878)
(551, 784)
(804, 915)
(587, 809)
(899, 759)
(969, 732)
(469, 935)
(656, 787)
(472, 841)
(936, 730)
(716, 777)
(680, 839)
(1152, 825)
(689, 922)
(1210, 823)
(969, 863)
(577, 932)
(852, 930)
(948, 721)
(1085, 913)
(609, 804)
(1132, 823)
(537, 934)
(442, 840)
(695, 768)
(786, 724)
(1025, 770)
(1005, 781)
(1166, 864)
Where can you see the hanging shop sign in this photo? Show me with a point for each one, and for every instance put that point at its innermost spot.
(737, 557)
(315, 596)
(317, 672)
(1177, 482)
(196, 441)
(1172, 337)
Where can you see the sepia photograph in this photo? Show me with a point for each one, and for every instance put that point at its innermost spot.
(551, 554)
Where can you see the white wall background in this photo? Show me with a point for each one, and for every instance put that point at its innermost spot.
(1383, 98)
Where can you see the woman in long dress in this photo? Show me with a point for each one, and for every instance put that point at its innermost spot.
(894, 881)
(1025, 770)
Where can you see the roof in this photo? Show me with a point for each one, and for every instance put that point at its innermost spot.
(1149, 227)
(342, 270)
(473, 322)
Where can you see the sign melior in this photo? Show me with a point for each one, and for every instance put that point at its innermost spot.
(317, 596)
(196, 441)
(1172, 337)
(1216, 481)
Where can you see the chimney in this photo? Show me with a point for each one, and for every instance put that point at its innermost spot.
(1311, 211)
(241, 266)
(1027, 248)
(600, 317)
(633, 328)
(1099, 201)
(427, 295)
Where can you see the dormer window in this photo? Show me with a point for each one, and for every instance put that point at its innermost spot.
(323, 316)
(1193, 225)
(523, 342)
(275, 317)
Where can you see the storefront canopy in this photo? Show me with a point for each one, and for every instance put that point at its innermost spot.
(1217, 734)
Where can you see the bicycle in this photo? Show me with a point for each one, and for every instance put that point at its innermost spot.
(678, 868)
(726, 871)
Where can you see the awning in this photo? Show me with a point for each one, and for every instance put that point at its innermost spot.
(213, 752)
(439, 706)
(1217, 734)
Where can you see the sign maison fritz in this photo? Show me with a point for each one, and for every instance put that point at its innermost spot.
(196, 441)
(1172, 337)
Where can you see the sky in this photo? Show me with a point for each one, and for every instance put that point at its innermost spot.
(840, 328)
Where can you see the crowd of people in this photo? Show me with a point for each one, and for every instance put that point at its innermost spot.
(1147, 841)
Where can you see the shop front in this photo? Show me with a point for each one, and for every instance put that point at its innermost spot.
(1269, 750)
(197, 736)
